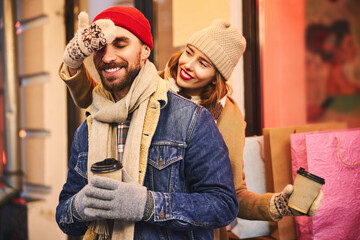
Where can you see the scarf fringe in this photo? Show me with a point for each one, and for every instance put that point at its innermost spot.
(98, 230)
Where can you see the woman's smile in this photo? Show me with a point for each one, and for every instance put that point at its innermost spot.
(185, 75)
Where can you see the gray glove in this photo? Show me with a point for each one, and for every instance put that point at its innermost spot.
(149, 206)
(78, 206)
(105, 198)
(279, 204)
(88, 38)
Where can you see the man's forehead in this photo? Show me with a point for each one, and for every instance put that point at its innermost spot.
(124, 33)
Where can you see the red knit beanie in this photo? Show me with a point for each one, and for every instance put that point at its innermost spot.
(131, 19)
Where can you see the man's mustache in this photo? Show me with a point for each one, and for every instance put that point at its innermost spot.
(103, 66)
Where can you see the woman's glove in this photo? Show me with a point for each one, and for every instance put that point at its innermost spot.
(88, 38)
(279, 204)
(105, 198)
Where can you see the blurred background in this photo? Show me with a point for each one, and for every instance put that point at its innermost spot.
(300, 66)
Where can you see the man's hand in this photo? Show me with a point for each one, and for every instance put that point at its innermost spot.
(105, 198)
(88, 38)
(279, 204)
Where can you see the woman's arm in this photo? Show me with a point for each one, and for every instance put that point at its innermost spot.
(232, 126)
(80, 85)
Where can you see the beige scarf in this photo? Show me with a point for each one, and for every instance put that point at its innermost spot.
(106, 113)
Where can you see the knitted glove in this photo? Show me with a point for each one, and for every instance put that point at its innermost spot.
(89, 38)
(149, 206)
(106, 198)
(78, 206)
(279, 204)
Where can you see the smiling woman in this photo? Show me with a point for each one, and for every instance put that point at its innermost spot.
(195, 71)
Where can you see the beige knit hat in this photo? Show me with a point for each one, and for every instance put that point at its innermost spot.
(222, 43)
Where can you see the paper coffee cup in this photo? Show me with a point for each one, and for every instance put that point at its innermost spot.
(306, 188)
(109, 167)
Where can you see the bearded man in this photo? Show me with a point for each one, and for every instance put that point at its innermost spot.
(176, 180)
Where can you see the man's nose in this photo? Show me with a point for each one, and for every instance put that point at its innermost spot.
(108, 54)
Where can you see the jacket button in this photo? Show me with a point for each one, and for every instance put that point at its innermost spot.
(161, 214)
(161, 162)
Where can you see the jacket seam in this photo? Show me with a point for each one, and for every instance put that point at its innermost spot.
(193, 123)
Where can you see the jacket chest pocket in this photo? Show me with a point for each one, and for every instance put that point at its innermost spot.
(164, 166)
(81, 165)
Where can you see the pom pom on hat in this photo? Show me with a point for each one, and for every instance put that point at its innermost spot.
(131, 19)
(222, 43)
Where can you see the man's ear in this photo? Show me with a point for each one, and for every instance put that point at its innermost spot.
(145, 52)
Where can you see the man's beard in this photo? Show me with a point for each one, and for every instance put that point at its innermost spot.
(129, 78)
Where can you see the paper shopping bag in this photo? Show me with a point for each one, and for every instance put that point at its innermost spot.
(335, 156)
(278, 166)
(254, 169)
(303, 224)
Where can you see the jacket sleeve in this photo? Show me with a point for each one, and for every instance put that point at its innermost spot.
(209, 200)
(80, 85)
(75, 181)
(232, 126)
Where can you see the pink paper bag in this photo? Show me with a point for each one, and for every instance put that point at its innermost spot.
(335, 156)
(303, 224)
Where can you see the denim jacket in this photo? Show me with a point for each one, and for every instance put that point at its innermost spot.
(188, 170)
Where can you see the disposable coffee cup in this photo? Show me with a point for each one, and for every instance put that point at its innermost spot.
(306, 188)
(108, 167)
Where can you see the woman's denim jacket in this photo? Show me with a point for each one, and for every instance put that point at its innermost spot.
(188, 171)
